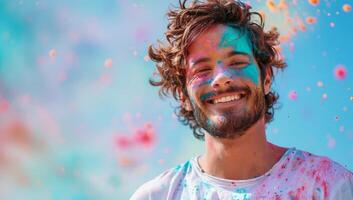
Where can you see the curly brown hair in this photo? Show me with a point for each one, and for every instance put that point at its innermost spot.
(188, 22)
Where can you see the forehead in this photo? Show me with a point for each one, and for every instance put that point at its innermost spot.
(219, 37)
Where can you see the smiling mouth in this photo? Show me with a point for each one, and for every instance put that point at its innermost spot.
(227, 98)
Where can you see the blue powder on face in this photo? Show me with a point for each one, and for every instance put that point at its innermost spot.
(203, 97)
(233, 37)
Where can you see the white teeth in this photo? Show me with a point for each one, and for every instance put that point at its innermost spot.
(227, 98)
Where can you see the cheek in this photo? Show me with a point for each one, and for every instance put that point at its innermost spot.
(199, 82)
(204, 96)
(250, 72)
(195, 90)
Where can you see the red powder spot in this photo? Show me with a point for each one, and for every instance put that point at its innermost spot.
(293, 95)
(314, 2)
(123, 141)
(52, 53)
(146, 135)
(311, 20)
(346, 7)
(296, 195)
(340, 72)
(324, 187)
(302, 170)
(313, 173)
(108, 63)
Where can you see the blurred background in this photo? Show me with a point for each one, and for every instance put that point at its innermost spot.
(79, 121)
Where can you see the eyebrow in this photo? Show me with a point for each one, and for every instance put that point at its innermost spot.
(236, 53)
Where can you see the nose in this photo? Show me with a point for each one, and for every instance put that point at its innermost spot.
(221, 81)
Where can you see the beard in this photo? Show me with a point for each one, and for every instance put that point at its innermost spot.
(233, 122)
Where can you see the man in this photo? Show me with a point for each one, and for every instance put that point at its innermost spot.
(219, 64)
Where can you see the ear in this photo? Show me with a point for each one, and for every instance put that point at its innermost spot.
(184, 101)
(267, 81)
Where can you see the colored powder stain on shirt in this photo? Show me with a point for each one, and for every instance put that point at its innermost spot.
(324, 186)
(335, 182)
(241, 194)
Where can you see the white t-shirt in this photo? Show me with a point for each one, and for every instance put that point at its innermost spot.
(297, 175)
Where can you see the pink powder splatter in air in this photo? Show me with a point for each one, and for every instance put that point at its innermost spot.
(145, 136)
(52, 53)
(108, 63)
(293, 95)
(123, 141)
(340, 72)
(4, 105)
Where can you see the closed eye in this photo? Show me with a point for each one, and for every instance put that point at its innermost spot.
(203, 70)
(239, 64)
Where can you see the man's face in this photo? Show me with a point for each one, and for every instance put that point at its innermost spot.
(223, 82)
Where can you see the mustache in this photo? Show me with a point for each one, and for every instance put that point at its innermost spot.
(231, 89)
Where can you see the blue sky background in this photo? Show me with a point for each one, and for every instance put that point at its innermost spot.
(63, 107)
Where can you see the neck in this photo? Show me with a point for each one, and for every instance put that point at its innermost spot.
(243, 157)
